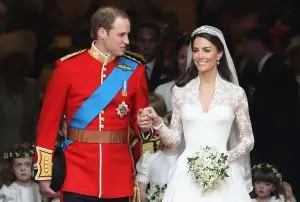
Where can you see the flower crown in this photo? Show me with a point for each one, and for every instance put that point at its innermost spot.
(270, 168)
(19, 153)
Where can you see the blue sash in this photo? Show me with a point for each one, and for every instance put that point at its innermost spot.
(103, 95)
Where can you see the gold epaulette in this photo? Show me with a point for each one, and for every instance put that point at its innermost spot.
(71, 55)
(135, 56)
(43, 164)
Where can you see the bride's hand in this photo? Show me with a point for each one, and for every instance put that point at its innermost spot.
(157, 120)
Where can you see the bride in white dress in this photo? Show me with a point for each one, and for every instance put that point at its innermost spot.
(209, 111)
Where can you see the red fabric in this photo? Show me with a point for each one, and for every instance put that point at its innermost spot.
(101, 170)
(137, 151)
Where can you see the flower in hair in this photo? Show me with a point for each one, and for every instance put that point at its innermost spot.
(269, 167)
(19, 153)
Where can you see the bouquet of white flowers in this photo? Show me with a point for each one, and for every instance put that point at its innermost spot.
(156, 193)
(208, 167)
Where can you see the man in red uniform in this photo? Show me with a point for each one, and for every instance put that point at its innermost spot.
(100, 91)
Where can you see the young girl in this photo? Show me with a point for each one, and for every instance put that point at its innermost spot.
(22, 188)
(268, 185)
(154, 169)
(157, 102)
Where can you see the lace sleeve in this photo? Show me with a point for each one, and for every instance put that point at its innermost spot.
(172, 135)
(244, 128)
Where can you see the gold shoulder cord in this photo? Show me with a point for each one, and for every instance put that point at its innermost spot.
(71, 55)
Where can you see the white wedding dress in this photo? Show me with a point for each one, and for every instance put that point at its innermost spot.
(210, 128)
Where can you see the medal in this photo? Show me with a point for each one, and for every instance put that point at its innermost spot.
(122, 109)
(124, 88)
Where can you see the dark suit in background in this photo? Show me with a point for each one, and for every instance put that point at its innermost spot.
(273, 114)
(160, 74)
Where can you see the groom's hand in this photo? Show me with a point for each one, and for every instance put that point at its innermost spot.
(44, 186)
(144, 121)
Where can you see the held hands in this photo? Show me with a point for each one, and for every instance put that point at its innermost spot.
(45, 189)
(148, 118)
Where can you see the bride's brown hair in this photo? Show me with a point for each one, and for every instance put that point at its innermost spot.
(192, 71)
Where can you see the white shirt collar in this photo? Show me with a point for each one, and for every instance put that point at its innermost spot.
(150, 65)
(263, 61)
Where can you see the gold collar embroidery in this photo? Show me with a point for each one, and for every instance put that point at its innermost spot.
(98, 55)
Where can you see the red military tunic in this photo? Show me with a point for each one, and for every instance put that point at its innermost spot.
(101, 170)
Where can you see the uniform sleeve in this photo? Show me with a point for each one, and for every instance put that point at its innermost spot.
(143, 169)
(49, 121)
(140, 100)
(244, 127)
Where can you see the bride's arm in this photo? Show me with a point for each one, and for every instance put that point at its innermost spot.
(244, 128)
(171, 135)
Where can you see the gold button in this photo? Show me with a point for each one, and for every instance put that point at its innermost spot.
(102, 112)
(104, 69)
(104, 75)
(102, 126)
(102, 118)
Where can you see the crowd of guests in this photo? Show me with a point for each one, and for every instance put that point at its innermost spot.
(268, 58)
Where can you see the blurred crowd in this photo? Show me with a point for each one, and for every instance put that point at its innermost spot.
(265, 45)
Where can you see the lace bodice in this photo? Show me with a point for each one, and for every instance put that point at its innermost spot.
(210, 128)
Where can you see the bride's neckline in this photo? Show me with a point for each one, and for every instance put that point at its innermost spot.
(214, 85)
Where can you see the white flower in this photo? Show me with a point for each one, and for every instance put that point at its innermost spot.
(156, 193)
(208, 167)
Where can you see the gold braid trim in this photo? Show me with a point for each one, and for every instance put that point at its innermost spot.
(44, 164)
(136, 57)
(71, 55)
